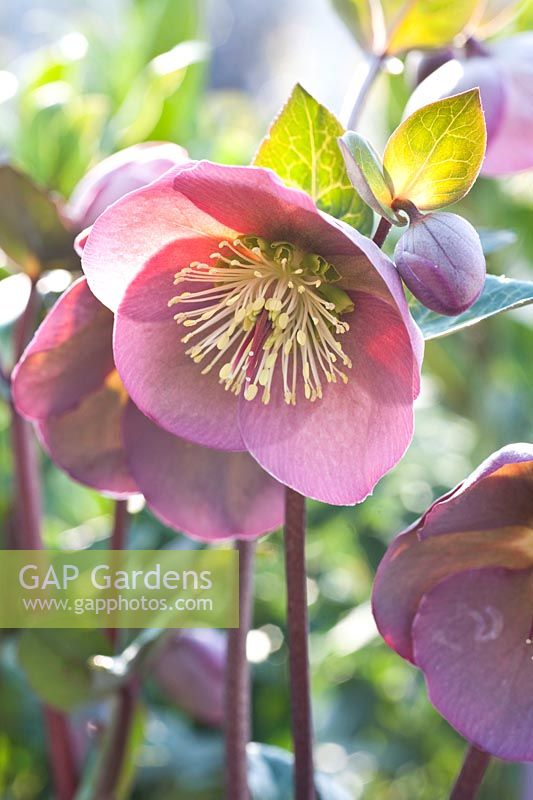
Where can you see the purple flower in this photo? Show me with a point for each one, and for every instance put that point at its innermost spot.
(454, 595)
(503, 71)
(190, 667)
(248, 320)
(67, 383)
(441, 260)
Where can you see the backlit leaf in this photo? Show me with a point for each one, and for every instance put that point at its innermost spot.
(302, 148)
(435, 155)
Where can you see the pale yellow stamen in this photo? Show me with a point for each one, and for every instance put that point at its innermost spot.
(251, 305)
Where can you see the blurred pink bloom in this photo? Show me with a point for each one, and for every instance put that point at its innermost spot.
(294, 340)
(67, 383)
(190, 667)
(454, 595)
(503, 71)
(119, 174)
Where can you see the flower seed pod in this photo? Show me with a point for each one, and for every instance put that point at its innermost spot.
(441, 261)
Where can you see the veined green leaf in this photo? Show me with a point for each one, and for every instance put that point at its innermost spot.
(500, 294)
(435, 155)
(365, 172)
(302, 148)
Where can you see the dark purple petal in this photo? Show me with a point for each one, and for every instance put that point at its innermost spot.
(498, 493)
(412, 567)
(470, 640)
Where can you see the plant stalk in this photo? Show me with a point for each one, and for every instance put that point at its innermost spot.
(382, 231)
(27, 492)
(237, 712)
(298, 625)
(374, 68)
(471, 775)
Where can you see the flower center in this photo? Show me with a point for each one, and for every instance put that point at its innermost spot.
(263, 307)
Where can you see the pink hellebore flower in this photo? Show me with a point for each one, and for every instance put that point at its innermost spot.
(246, 319)
(67, 383)
(503, 71)
(454, 595)
(119, 174)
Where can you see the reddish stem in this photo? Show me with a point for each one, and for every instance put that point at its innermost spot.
(27, 491)
(237, 715)
(116, 742)
(297, 622)
(61, 754)
(382, 232)
(118, 543)
(471, 775)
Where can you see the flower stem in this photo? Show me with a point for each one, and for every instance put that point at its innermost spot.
(382, 232)
(117, 543)
(237, 716)
(115, 744)
(27, 491)
(61, 754)
(297, 621)
(471, 774)
(373, 70)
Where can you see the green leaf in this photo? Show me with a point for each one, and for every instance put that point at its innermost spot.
(366, 173)
(395, 26)
(56, 664)
(434, 157)
(32, 232)
(500, 294)
(302, 148)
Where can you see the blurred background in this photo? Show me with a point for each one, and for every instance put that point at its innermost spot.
(79, 80)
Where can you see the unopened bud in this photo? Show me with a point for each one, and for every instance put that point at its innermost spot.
(190, 670)
(441, 261)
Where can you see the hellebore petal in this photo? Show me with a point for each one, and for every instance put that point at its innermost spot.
(86, 442)
(208, 494)
(498, 493)
(456, 600)
(161, 379)
(337, 448)
(155, 222)
(275, 245)
(486, 521)
(190, 667)
(69, 356)
(504, 75)
(411, 567)
(470, 639)
(441, 260)
(119, 174)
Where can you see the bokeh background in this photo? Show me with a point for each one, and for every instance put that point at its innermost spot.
(79, 80)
